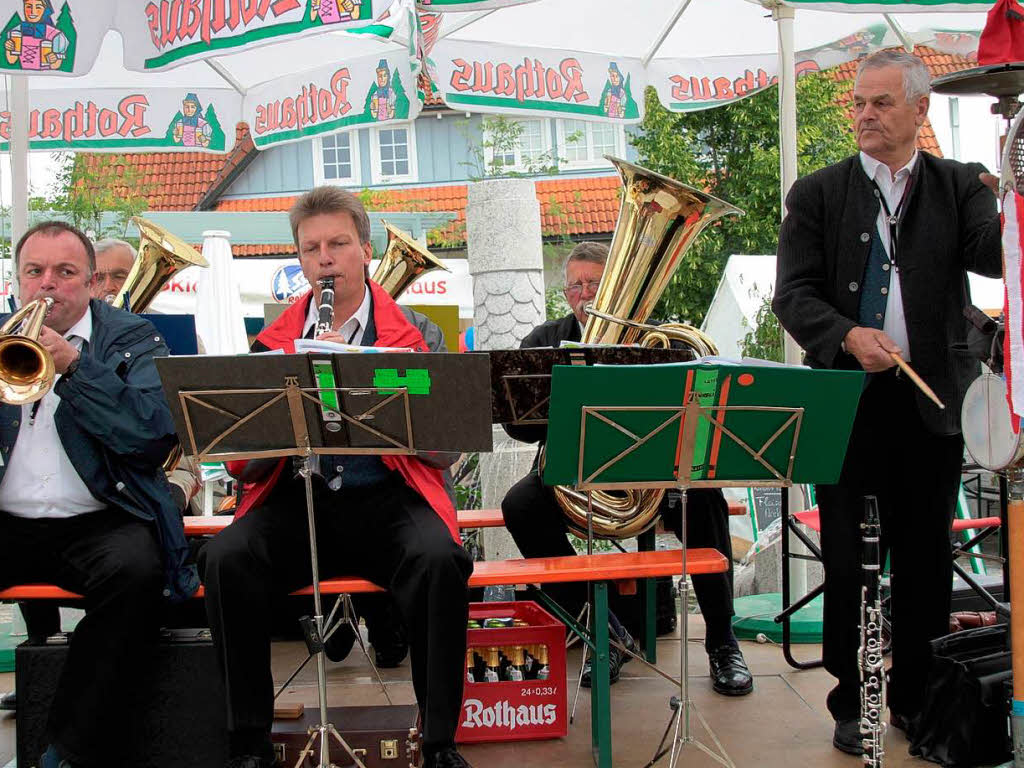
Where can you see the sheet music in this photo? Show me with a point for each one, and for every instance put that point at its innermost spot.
(330, 347)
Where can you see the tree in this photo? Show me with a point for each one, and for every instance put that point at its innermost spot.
(733, 153)
(86, 186)
(763, 339)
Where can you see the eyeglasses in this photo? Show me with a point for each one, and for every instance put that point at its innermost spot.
(578, 287)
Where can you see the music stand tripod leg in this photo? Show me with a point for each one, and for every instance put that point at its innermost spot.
(347, 616)
(323, 730)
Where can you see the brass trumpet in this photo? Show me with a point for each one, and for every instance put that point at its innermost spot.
(26, 368)
(403, 261)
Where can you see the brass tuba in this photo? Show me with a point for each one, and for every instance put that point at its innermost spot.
(403, 261)
(659, 218)
(26, 368)
(161, 255)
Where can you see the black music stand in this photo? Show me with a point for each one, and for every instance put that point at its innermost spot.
(275, 406)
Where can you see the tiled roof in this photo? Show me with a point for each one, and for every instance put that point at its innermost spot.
(938, 64)
(174, 181)
(581, 206)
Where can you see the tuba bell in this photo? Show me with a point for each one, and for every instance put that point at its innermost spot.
(403, 261)
(26, 368)
(161, 255)
(659, 218)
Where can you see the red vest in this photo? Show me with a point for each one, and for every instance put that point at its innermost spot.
(393, 330)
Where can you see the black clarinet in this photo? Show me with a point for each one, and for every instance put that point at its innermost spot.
(869, 655)
(325, 323)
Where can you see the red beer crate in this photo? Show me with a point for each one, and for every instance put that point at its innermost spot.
(511, 710)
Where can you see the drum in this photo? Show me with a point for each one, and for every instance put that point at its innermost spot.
(986, 425)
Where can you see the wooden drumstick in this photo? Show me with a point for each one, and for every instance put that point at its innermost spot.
(918, 381)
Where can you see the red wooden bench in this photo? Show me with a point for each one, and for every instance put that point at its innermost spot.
(542, 570)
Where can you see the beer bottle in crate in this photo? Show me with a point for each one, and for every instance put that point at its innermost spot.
(491, 672)
(516, 672)
(470, 663)
(542, 657)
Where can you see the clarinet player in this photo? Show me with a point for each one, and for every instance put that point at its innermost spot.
(388, 519)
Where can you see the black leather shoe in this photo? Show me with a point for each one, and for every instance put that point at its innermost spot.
(448, 757)
(390, 655)
(902, 722)
(9, 702)
(251, 761)
(846, 737)
(339, 644)
(729, 673)
(616, 658)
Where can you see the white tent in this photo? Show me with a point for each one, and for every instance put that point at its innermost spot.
(747, 280)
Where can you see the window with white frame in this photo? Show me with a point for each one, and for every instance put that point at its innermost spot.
(526, 153)
(394, 153)
(583, 143)
(336, 159)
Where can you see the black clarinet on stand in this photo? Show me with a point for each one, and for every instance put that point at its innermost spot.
(869, 655)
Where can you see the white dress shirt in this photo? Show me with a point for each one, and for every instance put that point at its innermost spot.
(892, 187)
(40, 480)
(352, 329)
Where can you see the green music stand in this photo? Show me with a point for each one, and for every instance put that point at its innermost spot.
(696, 425)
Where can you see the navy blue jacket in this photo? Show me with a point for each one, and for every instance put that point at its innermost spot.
(117, 430)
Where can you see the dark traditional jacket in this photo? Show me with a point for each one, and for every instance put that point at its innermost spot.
(950, 225)
(389, 326)
(548, 334)
(116, 429)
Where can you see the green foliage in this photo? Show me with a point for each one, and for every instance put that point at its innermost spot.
(764, 339)
(733, 153)
(499, 137)
(85, 190)
(555, 305)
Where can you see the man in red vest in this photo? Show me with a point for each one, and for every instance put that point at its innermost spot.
(388, 519)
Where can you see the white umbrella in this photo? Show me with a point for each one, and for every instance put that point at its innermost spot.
(220, 323)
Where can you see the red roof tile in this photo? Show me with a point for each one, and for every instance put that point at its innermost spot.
(175, 181)
(568, 206)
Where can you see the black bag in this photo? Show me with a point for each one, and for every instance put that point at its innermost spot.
(964, 718)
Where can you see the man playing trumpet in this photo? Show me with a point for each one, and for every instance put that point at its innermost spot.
(83, 499)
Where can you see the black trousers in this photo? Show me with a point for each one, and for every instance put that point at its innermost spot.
(114, 561)
(915, 475)
(538, 526)
(387, 534)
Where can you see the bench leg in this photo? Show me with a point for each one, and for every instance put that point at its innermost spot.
(600, 687)
(649, 600)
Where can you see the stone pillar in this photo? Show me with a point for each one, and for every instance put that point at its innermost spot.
(503, 238)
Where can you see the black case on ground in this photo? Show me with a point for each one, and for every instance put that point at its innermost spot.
(178, 718)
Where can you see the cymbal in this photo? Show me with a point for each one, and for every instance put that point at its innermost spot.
(998, 80)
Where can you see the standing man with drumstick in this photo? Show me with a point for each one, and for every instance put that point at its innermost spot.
(872, 261)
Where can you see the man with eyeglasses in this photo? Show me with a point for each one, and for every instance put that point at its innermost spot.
(537, 524)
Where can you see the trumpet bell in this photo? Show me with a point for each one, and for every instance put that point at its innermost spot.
(26, 370)
(161, 255)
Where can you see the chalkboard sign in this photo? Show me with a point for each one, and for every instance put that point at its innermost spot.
(767, 506)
